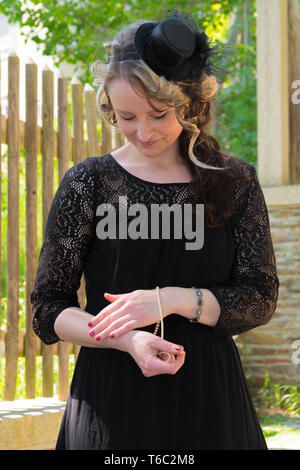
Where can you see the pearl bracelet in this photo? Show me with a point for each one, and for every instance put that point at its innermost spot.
(161, 354)
(199, 303)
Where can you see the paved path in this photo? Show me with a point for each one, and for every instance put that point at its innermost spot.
(282, 432)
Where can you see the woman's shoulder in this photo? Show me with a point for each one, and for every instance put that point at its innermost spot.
(88, 172)
(245, 181)
(91, 165)
(241, 166)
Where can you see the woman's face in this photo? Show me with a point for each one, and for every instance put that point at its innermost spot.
(140, 123)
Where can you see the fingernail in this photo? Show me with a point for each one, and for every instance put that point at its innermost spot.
(178, 347)
(98, 338)
(90, 324)
(91, 333)
(112, 335)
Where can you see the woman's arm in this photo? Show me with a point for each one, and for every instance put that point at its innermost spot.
(68, 234)
(249, 300)
(72, 325)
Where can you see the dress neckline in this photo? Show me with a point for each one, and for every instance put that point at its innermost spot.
(145, 181)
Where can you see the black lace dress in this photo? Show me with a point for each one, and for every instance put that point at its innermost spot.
(111, 404)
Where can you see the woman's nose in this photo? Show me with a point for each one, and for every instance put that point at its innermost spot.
(144, 132)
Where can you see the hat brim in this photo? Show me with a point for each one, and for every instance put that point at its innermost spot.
(141, 36)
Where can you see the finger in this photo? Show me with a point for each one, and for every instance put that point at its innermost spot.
(112, 297)
(164, 367)
(117, 332)
(105, 315)
(157, 364)
(104, 312)
(178, 363)
(109, 330)
(98, 328)
(167, 346)
(180, 358)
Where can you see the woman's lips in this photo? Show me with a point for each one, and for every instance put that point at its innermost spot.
(146, 144)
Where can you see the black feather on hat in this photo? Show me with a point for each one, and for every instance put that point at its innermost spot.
(176, 49)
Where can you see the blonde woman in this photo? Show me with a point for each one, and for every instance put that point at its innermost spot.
(158, 367)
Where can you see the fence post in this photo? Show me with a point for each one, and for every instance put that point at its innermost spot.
(0, 199)
(91, 120)
(47, 163)
(31, 146)
(77, 120)
(13, 138)
(63, 165)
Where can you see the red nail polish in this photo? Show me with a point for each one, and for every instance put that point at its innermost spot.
(90, 324)
(98, 338)
(178, 348)
(91, 333)
(112, 335)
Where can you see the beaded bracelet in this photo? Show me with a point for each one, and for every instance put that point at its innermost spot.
(199, 303)
(161, 354)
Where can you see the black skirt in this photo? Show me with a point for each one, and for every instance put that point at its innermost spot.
(205, 405)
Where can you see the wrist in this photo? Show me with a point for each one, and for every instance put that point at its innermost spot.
(187, 302)
(172, 299)
(124, 342)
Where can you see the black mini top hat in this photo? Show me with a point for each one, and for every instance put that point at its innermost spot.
(176, 49)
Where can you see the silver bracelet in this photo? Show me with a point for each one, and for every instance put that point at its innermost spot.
(199, 304)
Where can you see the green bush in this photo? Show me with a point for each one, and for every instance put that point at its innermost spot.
(284, 397)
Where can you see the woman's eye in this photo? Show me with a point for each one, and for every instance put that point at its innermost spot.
(155, 117)
(160, 117)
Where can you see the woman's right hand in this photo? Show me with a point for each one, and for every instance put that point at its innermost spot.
(144, 346)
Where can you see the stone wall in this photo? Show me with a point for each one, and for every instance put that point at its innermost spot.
(30, 424)
(276, 346)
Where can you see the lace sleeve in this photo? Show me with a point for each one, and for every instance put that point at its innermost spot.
(250, 299)
(64, 250)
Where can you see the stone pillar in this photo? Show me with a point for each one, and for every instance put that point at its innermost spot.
(272, 92)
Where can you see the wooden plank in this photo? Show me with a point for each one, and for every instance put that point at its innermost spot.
(31, 143)
(11, 343)
(63, 140)
(21, 344)
(294, 75)
(48, 178)
(91, 120)
(119, 139)
(40, 130)
(63, 165)
(106, 138)
(77, 120)
(1, 138)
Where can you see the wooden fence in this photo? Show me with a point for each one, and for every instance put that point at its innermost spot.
(69, 150)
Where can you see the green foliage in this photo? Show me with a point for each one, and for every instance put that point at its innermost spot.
(237, 111)
(285, 397)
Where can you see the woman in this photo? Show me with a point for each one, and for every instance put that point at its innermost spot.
(132, 387)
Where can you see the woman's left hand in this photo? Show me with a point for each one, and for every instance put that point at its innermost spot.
(127, 312)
